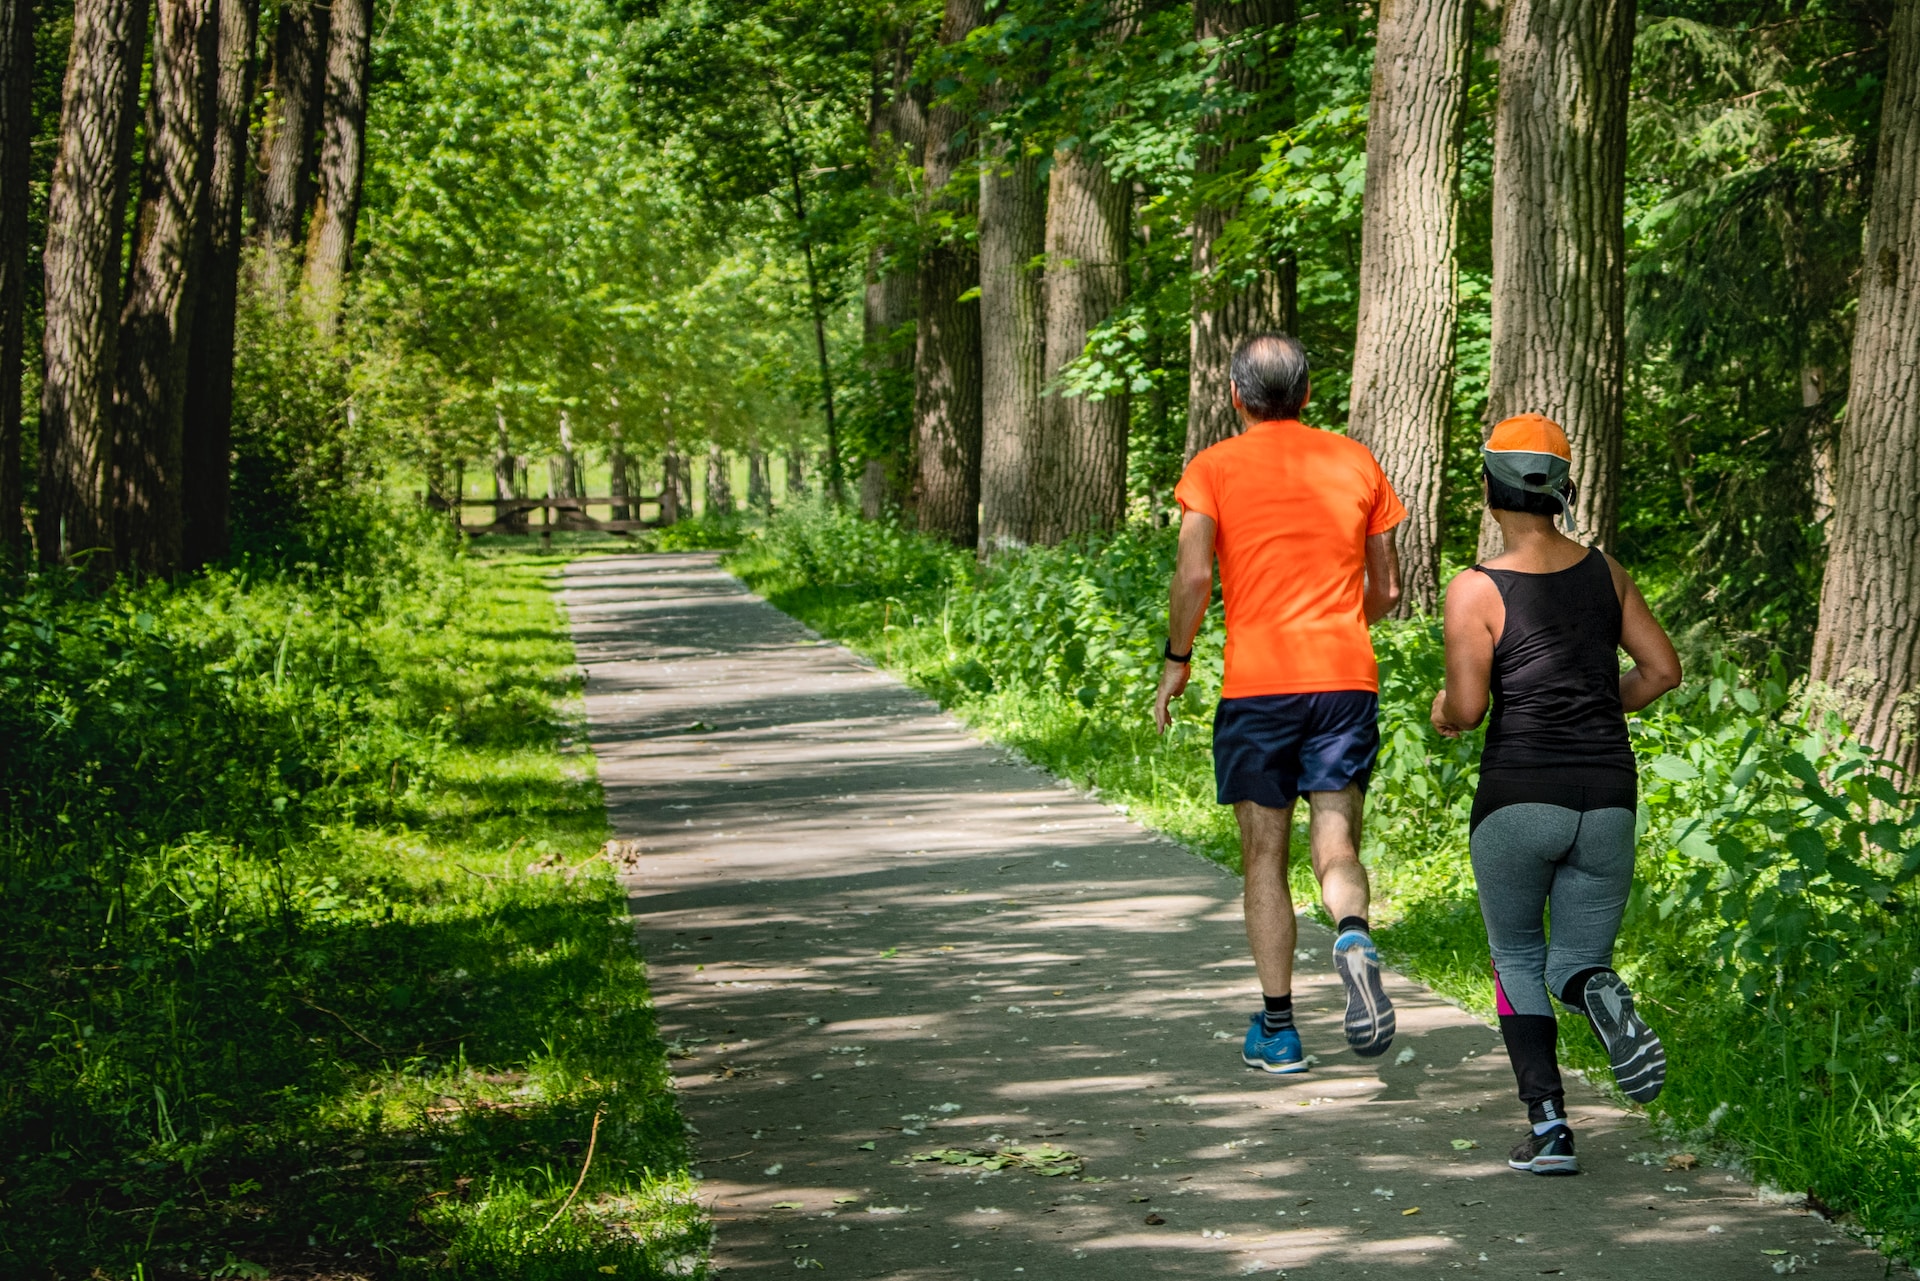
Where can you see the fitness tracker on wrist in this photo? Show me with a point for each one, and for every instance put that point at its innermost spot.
(1167, 653)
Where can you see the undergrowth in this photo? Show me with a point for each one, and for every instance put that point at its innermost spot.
(1767, 933)
(308, 965)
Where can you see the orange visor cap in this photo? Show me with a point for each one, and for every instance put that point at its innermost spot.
(1530, 434)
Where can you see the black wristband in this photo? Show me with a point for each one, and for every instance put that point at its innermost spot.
(1171, 657)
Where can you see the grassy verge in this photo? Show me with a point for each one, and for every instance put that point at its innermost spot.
(334, 983)
(1767, 933)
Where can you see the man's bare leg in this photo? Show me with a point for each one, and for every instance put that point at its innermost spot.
(1271, 931)
(1333, 833)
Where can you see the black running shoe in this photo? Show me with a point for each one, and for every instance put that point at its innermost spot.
(1549, 1153)
(1639, 1060)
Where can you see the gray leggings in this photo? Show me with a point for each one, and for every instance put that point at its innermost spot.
(1529, 856)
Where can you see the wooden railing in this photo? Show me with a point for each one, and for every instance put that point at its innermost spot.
(555, 514)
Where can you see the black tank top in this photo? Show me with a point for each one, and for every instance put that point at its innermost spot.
(1556, 677)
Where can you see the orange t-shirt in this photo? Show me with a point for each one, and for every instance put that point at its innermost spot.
(1294, 507)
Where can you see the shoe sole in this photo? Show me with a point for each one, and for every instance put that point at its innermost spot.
(1639, 1060)
(1370, 1021)
(1277, 1069)
(1547, 1165)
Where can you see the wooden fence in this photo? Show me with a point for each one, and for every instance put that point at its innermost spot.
(556, 514)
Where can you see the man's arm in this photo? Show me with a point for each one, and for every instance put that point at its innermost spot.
(1383, 576)
(1187, 603)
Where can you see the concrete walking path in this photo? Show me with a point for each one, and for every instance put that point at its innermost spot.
(871, 935)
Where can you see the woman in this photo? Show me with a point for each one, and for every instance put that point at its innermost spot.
(1539, 628)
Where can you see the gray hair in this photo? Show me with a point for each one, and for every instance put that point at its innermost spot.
(1270, 373)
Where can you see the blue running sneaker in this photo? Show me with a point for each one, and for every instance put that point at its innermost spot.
(1369, 1013)
(1277, 1053)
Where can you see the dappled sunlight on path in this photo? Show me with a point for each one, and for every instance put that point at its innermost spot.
(872, 936)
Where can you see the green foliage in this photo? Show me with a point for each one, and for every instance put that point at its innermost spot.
(1768, 929)
(306, 953)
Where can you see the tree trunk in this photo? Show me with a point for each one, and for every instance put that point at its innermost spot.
(1083, 459)
(946, 400)
(1402, 393)
(1013, 350)
(343, 148)
(617, 484)
(719, 483)
(283, 183)
(169, 252)
(208, 429)
(1231, 300)
(16, 174)
(1867, 645)
(759, 481)
(671, 508)
(1559, 245)
(796, 475)
(876, 495)
(81, 341)
(896, 137)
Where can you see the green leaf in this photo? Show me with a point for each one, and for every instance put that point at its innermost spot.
(1673, 768)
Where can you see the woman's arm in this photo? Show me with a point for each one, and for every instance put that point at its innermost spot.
(1475, 614)
(1656, 668)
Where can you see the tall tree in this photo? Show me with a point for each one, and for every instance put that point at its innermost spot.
(897, 140)
(16, 165)
(85, 216)
(1402, 389)
(1083, 456)
(1231, 300)
(208, 427)
(156, 322)
(343, 149)
(1013, 346)
(1867, 645)
(946, 406)
(285, 171)
(1559, 243)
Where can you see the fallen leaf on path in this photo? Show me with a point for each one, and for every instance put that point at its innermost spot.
(1776, 1252)
(1403, 1058)
(865, 1147)
(1682, 1161)
(773, 1169)
(1153, 1220)
(846, 1200)
(1412, 1209)
(1464, 1145)
(789, 1205)
(1043, 1159)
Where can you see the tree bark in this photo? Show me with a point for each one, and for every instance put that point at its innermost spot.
(618, 486)
(1402, 393)
(169, 251)
(1559, 243)
(896, 137)
(1013, 349)
(85, 212)
(946, 401)
(208, 426)
(759, 481)
(343, 149)
(1083, 459)
(670, 489)
(1867, 644)
(16, 173)
(719, 483)
(1230, 300)
(796, 475)
(284, 185)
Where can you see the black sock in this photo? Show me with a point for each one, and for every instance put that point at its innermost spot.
(1352, 923)
(1575, 992)
(1278, 1013)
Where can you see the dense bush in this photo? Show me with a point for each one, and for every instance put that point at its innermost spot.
(1767, 930)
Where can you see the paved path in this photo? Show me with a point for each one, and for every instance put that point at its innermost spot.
(872, 935)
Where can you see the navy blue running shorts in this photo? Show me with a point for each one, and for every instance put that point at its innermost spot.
(1270, 748)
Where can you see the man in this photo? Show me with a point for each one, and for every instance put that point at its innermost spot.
(1302, 523)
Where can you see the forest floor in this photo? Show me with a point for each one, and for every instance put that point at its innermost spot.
(935, 1014)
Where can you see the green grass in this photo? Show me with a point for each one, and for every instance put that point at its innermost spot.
(1790, 1013)
(375, 1040)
